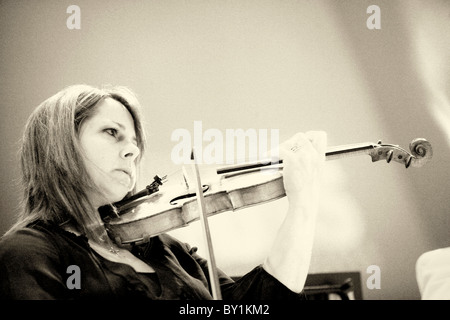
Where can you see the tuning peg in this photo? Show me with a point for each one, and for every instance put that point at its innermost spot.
(390, 154)
(408, 162)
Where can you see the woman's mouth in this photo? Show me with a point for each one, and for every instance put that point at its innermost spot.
(124, 177)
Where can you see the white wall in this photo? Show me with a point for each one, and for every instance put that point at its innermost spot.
(287, 65)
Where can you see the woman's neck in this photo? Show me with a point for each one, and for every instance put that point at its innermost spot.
(109, 250)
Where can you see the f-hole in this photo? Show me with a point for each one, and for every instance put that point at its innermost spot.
(188, 195)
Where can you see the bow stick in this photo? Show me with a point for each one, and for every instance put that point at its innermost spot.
(214, 281)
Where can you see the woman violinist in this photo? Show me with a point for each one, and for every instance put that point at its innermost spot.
(81, 150)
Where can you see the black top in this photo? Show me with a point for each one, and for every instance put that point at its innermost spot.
(35, 264)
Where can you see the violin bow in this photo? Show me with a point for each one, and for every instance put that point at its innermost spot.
(214, 281)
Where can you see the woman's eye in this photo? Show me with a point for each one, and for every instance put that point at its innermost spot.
(111, 132)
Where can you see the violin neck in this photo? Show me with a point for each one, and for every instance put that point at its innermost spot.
(332, 153)
(350, 150)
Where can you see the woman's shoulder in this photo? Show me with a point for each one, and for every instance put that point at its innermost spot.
(24, 239)
(170, 241)
(173, 244)
(37, 238)
(34, 262)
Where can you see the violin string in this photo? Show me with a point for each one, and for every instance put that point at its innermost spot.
(256, 166)
(175, 173)
(185, 175)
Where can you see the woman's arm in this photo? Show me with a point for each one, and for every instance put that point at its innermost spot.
(289, 259)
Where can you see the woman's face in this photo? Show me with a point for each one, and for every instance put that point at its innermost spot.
(108, 139)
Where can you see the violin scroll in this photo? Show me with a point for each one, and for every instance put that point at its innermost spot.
(420, 153)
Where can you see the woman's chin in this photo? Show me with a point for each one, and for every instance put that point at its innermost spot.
(118, 196)
(111, 193)
(115, 195)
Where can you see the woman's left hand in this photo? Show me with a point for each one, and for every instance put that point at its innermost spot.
(303, 157)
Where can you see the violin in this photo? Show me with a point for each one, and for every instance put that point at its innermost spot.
(158, 209)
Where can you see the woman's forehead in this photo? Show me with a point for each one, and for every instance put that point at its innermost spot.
(110, 109)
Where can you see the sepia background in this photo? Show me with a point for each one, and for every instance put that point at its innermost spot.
(286, 65)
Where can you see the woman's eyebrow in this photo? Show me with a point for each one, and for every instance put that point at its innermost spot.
(121, 126)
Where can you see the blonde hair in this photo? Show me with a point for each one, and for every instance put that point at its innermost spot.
(55, 182)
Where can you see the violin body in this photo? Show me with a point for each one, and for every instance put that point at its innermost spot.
(235, 187)
(166, 210)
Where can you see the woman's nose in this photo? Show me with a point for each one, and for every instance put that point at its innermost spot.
(130, 150)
